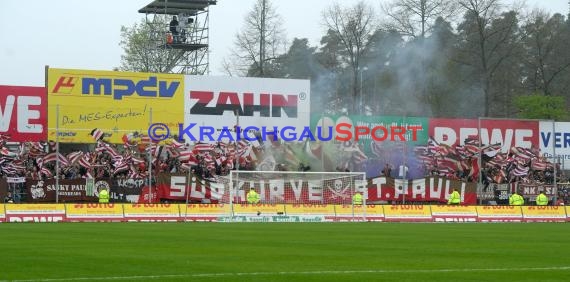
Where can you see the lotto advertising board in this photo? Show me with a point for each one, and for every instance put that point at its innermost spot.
(152, 212)
(94, 212)
(204, 212)
(441, 213)
(357, 213)
(407, 213)
(499, 214)
(35, 212)
(218, 104)
(544, 213)
(113, 102)
(23, 113)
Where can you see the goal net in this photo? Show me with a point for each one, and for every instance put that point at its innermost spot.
(296, 196)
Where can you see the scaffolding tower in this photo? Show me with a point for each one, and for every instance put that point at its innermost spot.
(184, 48)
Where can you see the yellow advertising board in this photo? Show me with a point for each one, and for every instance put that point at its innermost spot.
(407, 213)
(205, 209)
(441, 210)
(309, 209)
(567, 213)
(151, 210)
(499, 214)
(94, 210)
(2, 214)
(116, 103)
(544, 213)
(266, 209)
(499, 211)
(358, 210)
(35, 212)
(35, 208)
(454, 213)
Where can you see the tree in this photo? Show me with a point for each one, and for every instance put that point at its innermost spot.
(352, 27)
(143, 46)
(547, 59)
(259, 43)
(415, 18)
(299, 62)
(328, 84)
(443, 75)
(486, 41)
(541, 107)
(380, 80)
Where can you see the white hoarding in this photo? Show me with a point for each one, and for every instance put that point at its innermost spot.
(222, 103)
(556, 143)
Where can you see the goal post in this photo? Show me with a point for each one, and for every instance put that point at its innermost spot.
(284, 192)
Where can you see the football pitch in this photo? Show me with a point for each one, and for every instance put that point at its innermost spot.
(284, 252)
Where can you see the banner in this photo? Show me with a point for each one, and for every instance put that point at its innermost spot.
(117, 103)
(407, 213)
(152, 212)
(544, 213)
(16, 179)
(533, 190)
(453, 213)
(93, 212)
(420, 190)
(127, 190)
(70, 190)
(499, 213)
(374, 149)
(174, 187)
(35, 212)
(261, 102)
(178, 187)
(23, 113)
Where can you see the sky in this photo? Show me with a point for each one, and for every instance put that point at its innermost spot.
(85, 34)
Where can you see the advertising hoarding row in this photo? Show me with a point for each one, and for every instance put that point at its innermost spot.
(278, 213)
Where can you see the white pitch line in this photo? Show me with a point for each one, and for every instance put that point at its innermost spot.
(143, 277)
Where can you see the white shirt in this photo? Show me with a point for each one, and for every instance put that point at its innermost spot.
(403, 171)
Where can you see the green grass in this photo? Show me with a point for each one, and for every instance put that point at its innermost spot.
(285, 252)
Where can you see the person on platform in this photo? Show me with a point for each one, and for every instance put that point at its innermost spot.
(541, 199)
(252, 197)
(455, 198)
(516, 200)
(174, 29)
